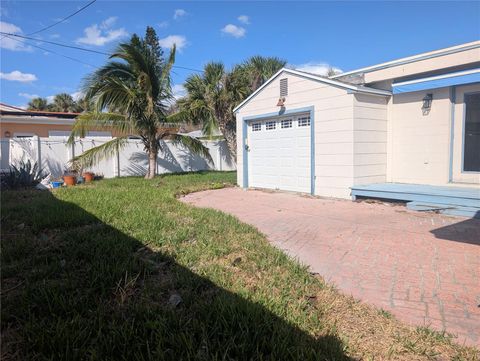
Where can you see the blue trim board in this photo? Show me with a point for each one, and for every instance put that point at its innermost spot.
(283, 111)
(438, 83)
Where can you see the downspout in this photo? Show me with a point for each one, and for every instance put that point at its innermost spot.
(453, 96)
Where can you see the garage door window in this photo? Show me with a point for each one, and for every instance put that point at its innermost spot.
(256, 127)
(304, 122)
(286, 123)
(270, 125)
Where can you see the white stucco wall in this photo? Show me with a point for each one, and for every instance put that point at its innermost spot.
(419, 144)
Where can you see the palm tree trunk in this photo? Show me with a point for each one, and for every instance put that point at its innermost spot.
(229, 131)
(152, 164)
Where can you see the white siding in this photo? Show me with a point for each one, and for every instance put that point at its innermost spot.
(370, 139)
(333, 118)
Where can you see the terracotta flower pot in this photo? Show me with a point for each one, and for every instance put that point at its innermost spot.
(89, 176)
(70, 180)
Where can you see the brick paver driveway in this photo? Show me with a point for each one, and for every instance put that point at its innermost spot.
(424, 268)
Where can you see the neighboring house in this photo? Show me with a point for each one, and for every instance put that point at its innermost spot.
(414, 120)
(21, 123)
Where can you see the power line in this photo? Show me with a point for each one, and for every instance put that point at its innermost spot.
(10, 35)
(64, 19)
(53, 52)
(55, 43)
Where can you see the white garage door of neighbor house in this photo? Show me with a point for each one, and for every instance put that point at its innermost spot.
(279, 153)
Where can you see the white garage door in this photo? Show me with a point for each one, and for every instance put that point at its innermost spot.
(279, 153)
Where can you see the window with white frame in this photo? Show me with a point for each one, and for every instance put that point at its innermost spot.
(256, 127)
(286, 123)
(270, 125)
(304, 121)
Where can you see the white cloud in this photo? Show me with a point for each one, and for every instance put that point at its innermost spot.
(54, 36)
(77, 95)
(179, 13)
(234, 30)
(18, 76)
(101, 34)
(178, 91)
(179, 40)
(244, 19)
(12, 43)
(163, 24)
(317, 68)
(29, 96)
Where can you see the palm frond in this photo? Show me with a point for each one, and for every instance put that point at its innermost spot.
(193, 145)
(97, 154)
(88, 121)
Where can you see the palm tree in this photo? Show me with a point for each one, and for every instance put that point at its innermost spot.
(131, 96)
(259, 69)
(212, 96)
(64, 102)
(38, 104)
(210, 100)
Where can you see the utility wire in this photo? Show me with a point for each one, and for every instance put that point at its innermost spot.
(53, 52)
(10, 35)
(55, 43)
(64, 19)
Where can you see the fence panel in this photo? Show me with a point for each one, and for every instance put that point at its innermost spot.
(53, 154)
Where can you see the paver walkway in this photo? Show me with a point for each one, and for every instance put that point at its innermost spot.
(422, 267)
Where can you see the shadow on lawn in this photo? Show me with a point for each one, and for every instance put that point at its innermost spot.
(76, 288)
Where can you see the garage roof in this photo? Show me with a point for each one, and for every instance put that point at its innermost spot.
(321, 79)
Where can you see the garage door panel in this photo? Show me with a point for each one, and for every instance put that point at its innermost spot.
(280, 158)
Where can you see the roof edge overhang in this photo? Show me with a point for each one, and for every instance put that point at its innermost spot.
(412, 59)
(349, 87)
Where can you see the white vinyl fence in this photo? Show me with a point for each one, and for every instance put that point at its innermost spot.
(53, 154)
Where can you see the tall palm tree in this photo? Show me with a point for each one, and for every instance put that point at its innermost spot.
(210, 100)
(212, 96)
(259, 69)
(38, 104)
(131, 95)
(64, 102)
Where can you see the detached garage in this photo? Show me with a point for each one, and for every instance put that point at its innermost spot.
(297, 133)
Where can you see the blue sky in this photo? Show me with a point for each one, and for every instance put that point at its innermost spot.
(345, 35)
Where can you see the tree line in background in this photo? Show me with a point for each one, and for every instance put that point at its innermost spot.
(62, 102)
(132, 94)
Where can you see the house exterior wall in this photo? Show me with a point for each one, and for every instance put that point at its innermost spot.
(40, 130)
(333, 117)
(370, 139)
(420, 142)
(427, 149)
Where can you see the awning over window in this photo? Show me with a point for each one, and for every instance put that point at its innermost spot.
(459, 78)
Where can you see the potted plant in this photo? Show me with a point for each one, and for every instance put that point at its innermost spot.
(70, 177)
(57, 182)
(88, 176)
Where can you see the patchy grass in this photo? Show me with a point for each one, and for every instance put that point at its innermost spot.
(120, 269)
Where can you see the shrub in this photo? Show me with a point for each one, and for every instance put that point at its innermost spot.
(22, 175)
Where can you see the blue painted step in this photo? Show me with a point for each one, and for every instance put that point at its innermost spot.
(464, 211)
(446, 195)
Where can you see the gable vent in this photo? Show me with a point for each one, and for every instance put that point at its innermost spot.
(283, 87)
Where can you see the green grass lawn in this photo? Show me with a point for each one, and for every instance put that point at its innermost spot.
(120, 269)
